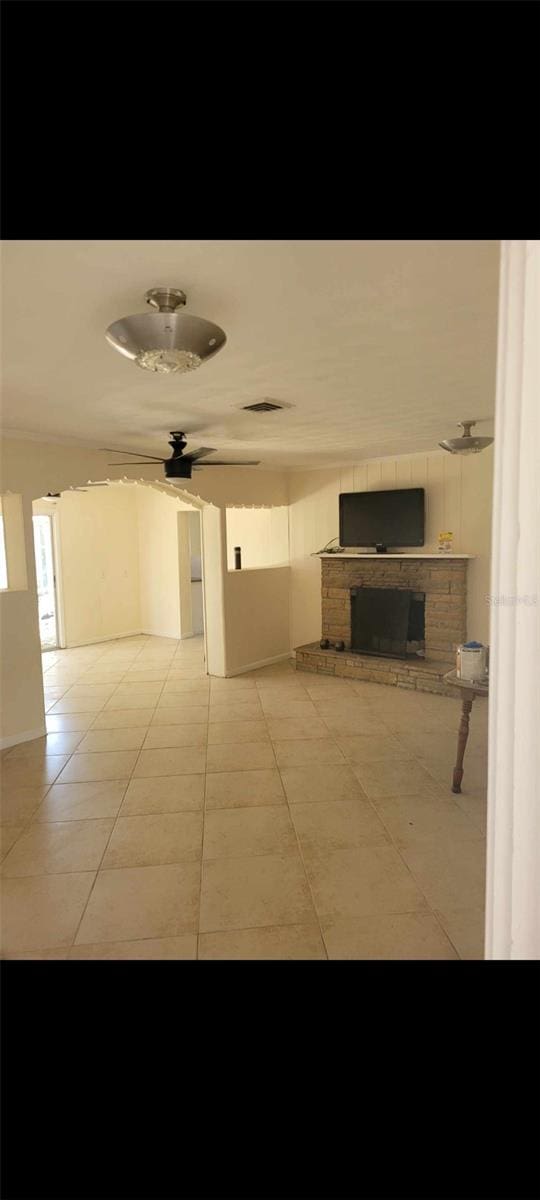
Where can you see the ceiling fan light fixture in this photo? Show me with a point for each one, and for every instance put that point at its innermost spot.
(467, 444)
(165, 341)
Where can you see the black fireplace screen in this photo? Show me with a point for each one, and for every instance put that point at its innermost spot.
(385, 621)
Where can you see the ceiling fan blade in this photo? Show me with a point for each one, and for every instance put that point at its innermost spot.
(143, 462)
(200, 453)
(216, 463)
(134, 453)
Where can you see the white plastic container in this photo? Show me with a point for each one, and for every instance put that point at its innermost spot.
(472, 662)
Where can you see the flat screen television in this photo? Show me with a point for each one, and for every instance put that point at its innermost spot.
(381, 519)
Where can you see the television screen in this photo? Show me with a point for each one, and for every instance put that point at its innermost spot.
(390, 518)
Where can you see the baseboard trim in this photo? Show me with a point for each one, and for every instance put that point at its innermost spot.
(175, 637)
(114, 637)
(29, 735)
(263, 662)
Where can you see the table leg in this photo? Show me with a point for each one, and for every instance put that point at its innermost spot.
(463, 734)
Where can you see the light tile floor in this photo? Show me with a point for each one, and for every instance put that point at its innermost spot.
(276, 815)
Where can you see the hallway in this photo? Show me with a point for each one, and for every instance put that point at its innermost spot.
(272, 815)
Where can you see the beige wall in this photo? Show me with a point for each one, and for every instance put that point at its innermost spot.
(119, 563)
(256, 617)
(261, 533)
(99, 564)
(458, 498)
(257, 599)
(158, 562)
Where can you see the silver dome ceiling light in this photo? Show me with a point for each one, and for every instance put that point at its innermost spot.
(467, 444)
(166, 341)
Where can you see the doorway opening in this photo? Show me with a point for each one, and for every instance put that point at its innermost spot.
(197, 603)
(127, 559)
(46, 581)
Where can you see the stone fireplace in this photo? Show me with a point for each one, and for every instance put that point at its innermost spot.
(440, 583)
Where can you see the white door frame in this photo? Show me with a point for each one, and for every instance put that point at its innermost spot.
(513, 851)
(57, 567)
(197, 515)
(46, 508)
(51, 517)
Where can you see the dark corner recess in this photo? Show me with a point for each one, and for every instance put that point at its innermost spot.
(387, 622)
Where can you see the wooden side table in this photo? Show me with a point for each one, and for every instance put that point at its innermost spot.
(469, 690)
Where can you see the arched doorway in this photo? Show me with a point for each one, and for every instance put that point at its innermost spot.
(123, 565)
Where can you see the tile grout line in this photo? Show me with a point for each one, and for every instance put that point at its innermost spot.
(115, 821)
(197, 940)
(71, 944)
(239, 929)
(380, 819)
(333, 738)
(301, 856)
(200, 932)
(413, 877)
(255, 807)
(173, 662)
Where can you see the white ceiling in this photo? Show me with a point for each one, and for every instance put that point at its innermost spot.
(379, 347)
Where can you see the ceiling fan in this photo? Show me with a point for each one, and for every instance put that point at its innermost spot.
(179, 465)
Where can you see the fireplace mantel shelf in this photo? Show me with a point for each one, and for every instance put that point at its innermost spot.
(382, 557)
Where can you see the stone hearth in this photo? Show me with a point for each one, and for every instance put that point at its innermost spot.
(443, 580)
(421, 675)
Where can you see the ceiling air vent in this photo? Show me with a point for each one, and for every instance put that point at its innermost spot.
(261, 406)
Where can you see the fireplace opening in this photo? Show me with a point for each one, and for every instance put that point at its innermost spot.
(387, 622)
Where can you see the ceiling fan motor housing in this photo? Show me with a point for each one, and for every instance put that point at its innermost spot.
(178, 468)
